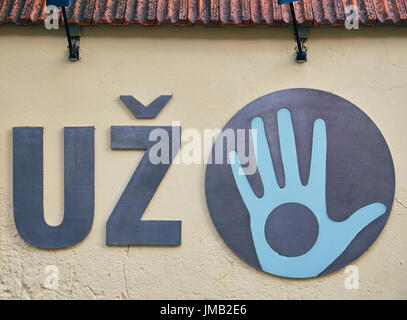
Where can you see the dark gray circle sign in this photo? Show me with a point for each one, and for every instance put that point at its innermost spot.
(321, 189)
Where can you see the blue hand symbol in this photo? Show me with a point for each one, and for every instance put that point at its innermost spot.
(333, 237)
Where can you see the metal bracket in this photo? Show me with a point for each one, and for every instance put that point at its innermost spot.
(76, 32)
(73, 41)
(303, 33)
(301, 50)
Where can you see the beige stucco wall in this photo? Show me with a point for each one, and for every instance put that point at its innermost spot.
(212, 73)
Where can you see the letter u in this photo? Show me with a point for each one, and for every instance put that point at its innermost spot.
(79, 175)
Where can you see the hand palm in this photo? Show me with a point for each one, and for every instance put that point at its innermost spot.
(333, 237)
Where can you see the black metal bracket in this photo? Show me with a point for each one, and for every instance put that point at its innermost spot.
(73, 41)
(301, 52)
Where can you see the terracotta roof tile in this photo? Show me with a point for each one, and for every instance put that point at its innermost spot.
(209, 12)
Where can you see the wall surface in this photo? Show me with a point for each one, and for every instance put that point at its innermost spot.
(212, 73)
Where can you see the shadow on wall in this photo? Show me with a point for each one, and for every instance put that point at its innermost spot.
(201, 32)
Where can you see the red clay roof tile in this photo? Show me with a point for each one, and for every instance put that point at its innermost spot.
(209, 12)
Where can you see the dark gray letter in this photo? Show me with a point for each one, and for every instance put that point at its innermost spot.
(124, 226)
(79, 160)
